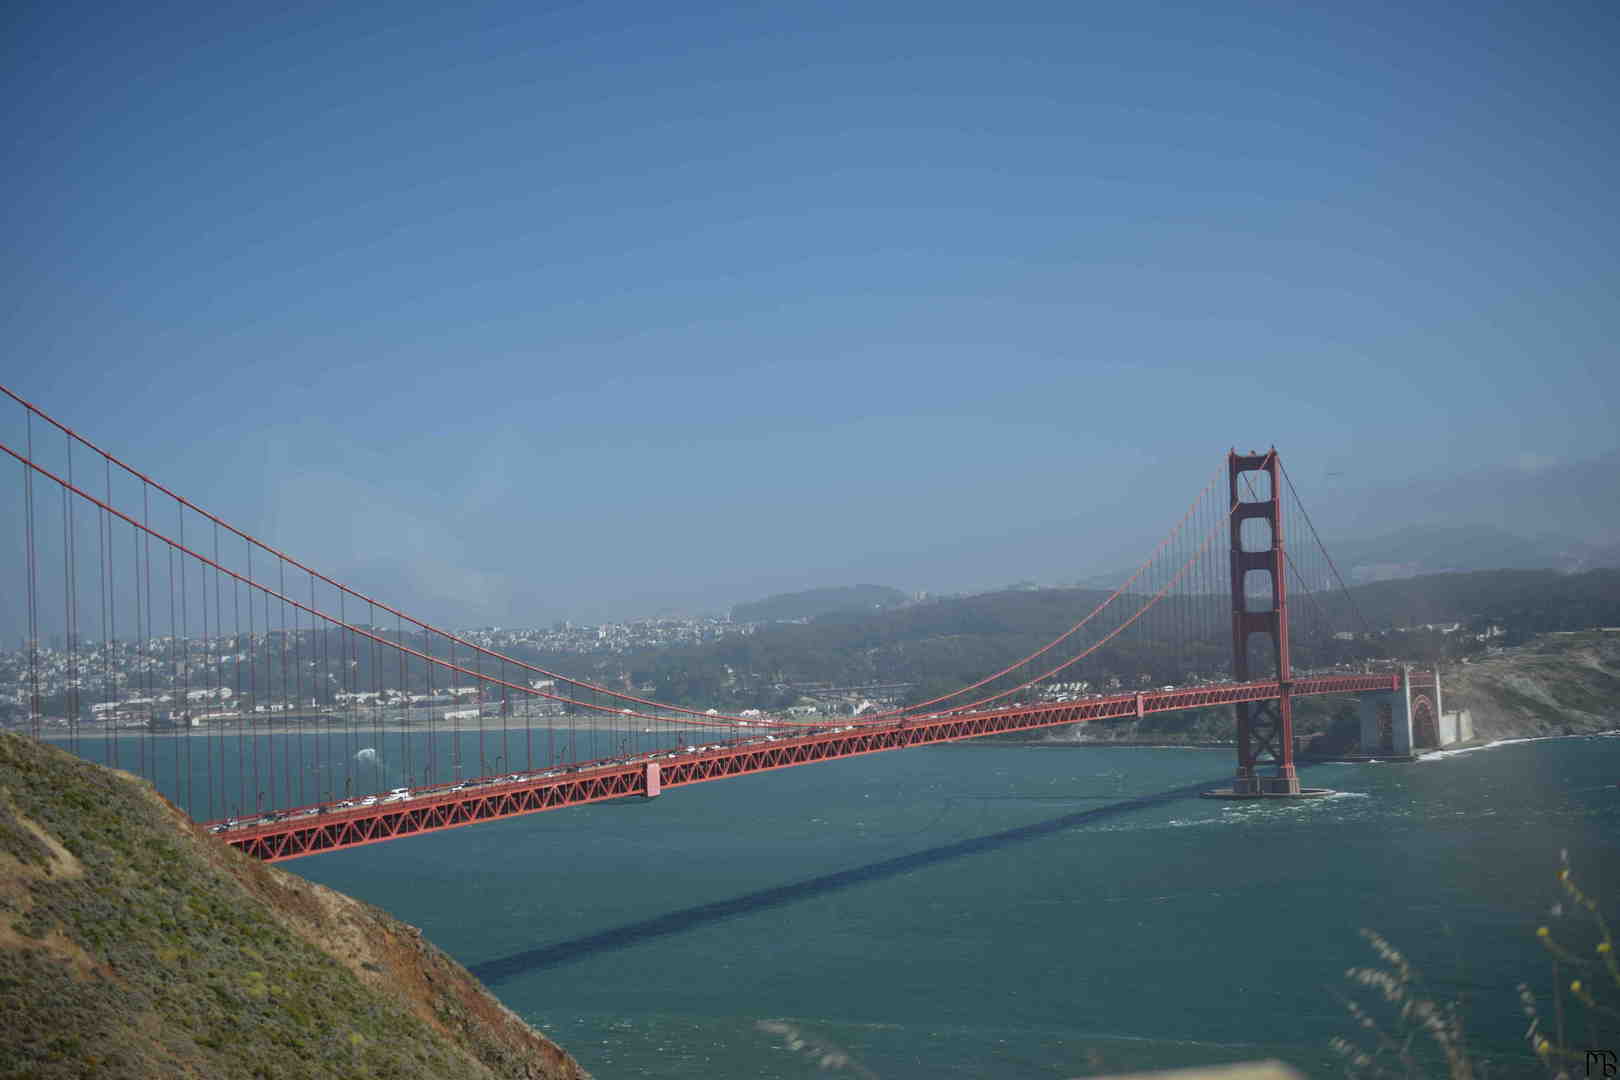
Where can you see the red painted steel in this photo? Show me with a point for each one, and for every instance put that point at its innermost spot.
(312, 830)
(1265, 731)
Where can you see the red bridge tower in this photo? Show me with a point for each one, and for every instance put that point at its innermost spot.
(1265, 729)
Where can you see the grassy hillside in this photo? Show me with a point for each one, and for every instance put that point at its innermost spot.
(132, 945)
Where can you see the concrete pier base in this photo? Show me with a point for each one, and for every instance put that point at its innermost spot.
(1300, 793)
(1284, 785)
(1386, 722)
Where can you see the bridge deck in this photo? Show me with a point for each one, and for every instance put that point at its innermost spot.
(310, 830)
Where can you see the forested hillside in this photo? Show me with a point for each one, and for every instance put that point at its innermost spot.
(786, 607)
(1523, 602)
(940, 645)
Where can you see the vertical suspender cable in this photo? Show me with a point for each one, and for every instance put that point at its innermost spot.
(253, 678)
(146, 648)
(219, 672)
(346, 643)
(106, 640)
(301, 720)
(404, 689)
(183, 695)
(478, 697)
(208, 666)
(33, 590)
(70, 575)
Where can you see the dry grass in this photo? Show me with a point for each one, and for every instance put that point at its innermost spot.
(1403, 1032)
(1412, 1034)
(1585, 994)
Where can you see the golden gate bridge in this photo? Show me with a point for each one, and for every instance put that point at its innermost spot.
(158, 602)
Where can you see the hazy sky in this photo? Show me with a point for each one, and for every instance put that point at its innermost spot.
(532, 310)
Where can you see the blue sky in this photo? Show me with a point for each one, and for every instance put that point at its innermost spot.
(527, 311)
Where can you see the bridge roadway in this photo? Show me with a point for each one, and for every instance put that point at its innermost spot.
(310, 830)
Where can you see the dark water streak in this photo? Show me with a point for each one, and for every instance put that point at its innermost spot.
(675, 922)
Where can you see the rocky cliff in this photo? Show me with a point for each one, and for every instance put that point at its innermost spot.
(1559, 684)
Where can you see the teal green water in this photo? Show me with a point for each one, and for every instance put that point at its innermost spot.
(1006, 910)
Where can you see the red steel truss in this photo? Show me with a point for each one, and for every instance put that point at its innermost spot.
(310, 830)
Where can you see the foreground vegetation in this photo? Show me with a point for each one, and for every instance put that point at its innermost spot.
(1573, 1017)
(133, 944)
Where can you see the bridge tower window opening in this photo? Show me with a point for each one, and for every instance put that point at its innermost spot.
(1256, 534)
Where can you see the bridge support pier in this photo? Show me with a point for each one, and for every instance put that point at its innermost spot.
(1386, 721)
(1411, 719)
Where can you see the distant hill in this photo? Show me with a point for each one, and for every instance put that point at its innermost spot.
(1525, 516)
(133, 944)
(943, 644)
(1526, 602)
(1438, 549)
(811, 603)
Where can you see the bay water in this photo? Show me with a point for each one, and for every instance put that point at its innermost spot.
(1012, 910)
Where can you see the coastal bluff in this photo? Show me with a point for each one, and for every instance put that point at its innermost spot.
(1557, 684)
(133, 944)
